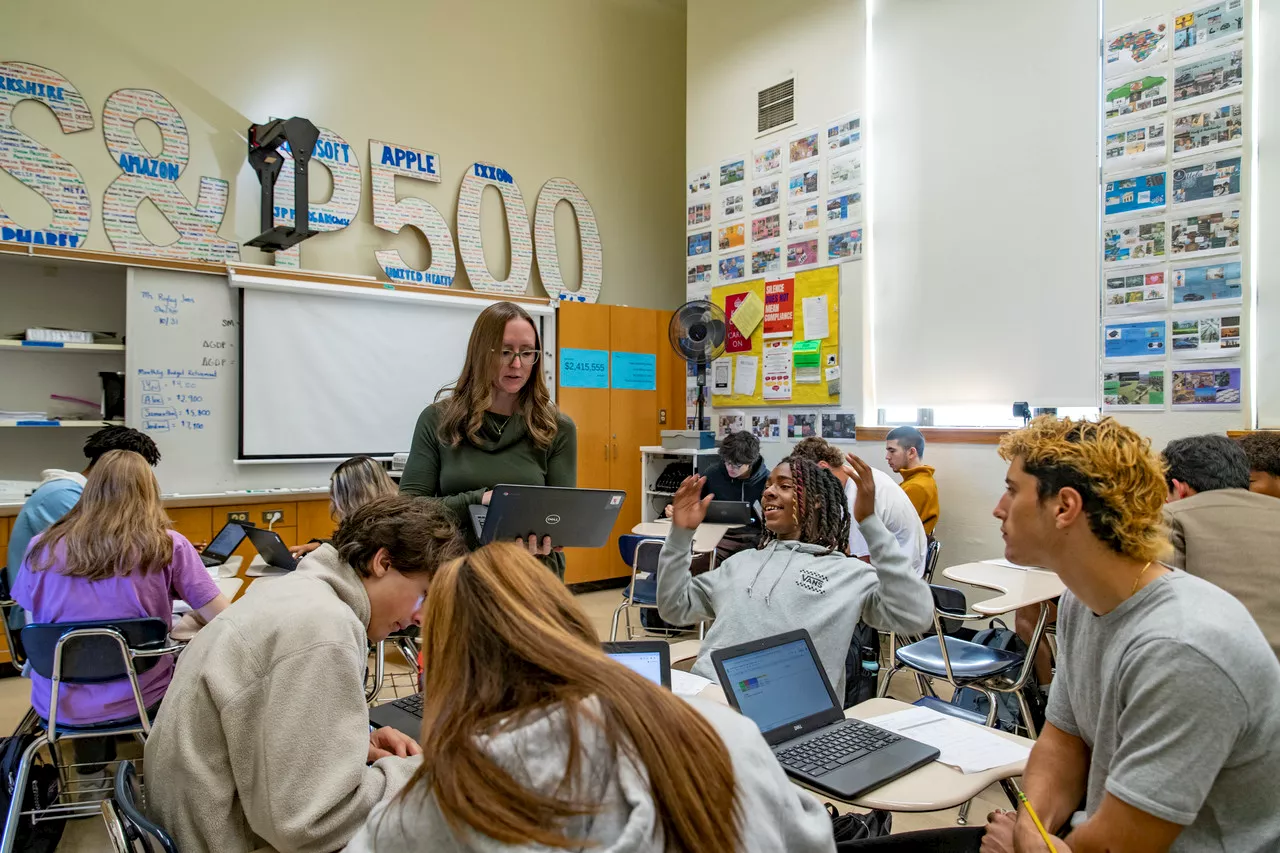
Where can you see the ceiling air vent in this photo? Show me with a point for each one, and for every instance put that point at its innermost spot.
(776, 106)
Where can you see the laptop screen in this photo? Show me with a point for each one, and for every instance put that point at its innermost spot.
(648, 664)
(778, 685)
(226, 540)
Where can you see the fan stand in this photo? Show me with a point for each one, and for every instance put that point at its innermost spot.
(702, 390)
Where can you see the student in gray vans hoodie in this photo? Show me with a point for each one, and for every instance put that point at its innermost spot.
(800, 576)
(534, 739)
(263, 737)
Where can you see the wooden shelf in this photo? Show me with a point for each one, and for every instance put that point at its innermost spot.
(40, 346)
(28, 424)
(942, 435)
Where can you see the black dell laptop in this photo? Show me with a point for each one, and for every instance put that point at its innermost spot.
(272, 548)
(224, 544)
(779, 683)
(573, 518)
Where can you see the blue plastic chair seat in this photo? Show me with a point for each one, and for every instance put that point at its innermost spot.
(110, 728)
(933, 703)
(646, 591)
(969, 661)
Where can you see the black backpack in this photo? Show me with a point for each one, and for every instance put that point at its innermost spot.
(41, 792)
(998, 636)
(855, 826)
(862, 665)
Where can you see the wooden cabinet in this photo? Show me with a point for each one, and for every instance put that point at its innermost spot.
(613, 423)
(314, 520)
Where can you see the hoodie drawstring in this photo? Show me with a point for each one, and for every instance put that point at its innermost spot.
(773, 550)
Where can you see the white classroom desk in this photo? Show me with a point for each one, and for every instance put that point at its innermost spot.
(187, 627)
(934, 787)
(1018, 587)
(705, 538)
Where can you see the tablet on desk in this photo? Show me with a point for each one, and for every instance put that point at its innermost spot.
(573, 518)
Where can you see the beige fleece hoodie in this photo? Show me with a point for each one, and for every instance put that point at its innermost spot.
(264, 732)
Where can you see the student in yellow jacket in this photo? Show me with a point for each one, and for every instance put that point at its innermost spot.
(904, 450)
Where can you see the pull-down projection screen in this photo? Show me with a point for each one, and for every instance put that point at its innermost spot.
(328, 377)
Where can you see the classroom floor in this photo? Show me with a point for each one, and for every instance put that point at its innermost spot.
(89, 835)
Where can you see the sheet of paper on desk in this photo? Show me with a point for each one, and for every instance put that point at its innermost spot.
(686, 683)
(965, 746)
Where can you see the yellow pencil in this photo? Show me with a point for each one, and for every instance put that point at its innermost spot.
(1036, 819)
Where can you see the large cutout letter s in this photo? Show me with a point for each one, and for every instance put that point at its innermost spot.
(49, 174)
(153, 177)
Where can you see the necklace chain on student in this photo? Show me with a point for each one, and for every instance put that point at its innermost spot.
(1139, 577)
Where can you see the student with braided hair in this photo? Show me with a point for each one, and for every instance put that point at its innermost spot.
(800, 576)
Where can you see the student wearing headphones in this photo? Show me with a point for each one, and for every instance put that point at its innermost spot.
(534, 739)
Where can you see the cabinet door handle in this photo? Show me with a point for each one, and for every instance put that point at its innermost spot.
(615, 450)
(606, 451)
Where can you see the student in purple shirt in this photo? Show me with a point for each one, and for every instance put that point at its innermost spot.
(112, 556)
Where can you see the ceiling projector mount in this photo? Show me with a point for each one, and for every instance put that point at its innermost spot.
(265, 157)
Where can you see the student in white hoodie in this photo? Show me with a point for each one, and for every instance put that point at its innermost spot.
(800, 577)
(263, 737)
(534, 739)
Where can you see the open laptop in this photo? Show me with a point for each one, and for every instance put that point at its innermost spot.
(224, 544)
(573, 518)
(728, 512)
(272, 548)
(779, 683)
(651, 659)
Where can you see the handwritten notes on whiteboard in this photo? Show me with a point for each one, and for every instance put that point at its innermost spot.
(175, 395)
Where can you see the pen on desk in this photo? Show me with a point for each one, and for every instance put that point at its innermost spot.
(1036, 819)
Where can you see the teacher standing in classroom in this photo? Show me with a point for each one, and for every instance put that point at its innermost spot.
(495, 424)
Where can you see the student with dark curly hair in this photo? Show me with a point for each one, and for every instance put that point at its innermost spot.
(1263, 450)
(801, 576)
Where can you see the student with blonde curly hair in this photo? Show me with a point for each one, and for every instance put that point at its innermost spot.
(1164, 717)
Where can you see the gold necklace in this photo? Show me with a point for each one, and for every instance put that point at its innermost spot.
(1139, 578)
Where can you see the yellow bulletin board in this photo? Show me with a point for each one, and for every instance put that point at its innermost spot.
(820, 282)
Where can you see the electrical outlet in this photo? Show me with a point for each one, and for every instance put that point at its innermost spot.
(237, 516)
(662, 416)
(271, 516)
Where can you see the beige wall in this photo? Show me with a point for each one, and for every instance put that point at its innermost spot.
(591, 90)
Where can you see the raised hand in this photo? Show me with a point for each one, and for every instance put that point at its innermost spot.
(687, 508)
(864, 502)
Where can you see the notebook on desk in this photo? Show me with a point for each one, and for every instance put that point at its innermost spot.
(780, 685)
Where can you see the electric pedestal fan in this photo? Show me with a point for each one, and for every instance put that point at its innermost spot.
(696, 333)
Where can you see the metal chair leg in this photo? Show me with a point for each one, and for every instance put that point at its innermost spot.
(963, 817)
(991, 706)
(613, 632)
(19, 788)
(379, 672)
(1025, 710)
(884, 685)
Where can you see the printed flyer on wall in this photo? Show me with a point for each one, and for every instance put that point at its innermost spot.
(1211, 336)
(1208, 26)
(1208, 127)
(1135, 291)
(1137, 145)
(839, 426)
(733, 171)
(1135, 95)
(731, 203)
(844, 172)
(727, 423)
(765, 260)
(779, 308)
(844, 208)
(731, 236)
(1210, 181)
(1135, 389)
(700, 243)
(775, 377)
(801, 425)
(699, 182)
(766, 161)
(1134, 339)
(766, 426)
(699, 274)
(1209, 77)
(844, 245)
(699, 212)
(802, 217)
(1206, 386)
(1134, 194)
(765, 228)
(844, 133)
(1214, 282)
(1133, 242)
(765, 195)
(1136, 47)
(802, 148)
(1211, 233)
(803, 184)
(802, 254)
(732, 267)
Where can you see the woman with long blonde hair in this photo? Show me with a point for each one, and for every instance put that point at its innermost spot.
(495, 424)
(534, 738)
(354, 483)
(113, 556)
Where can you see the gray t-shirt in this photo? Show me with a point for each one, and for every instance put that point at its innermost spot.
(1177, 694)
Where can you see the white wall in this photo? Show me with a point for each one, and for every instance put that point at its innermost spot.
(590, 90)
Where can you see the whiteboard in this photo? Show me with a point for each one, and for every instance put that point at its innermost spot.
(182, 386)
(335, 372)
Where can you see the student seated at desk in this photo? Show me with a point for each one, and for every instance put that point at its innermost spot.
(1164, 716)
(58, 492)
(1263, 450)
(904, 452)
(112, 556)
(354, 483)
(264, 736)
(533, 739)
(800, 576)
